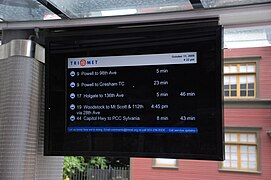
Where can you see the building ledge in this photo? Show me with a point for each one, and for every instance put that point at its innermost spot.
(247, 103)
(239, 171)
(166, 167)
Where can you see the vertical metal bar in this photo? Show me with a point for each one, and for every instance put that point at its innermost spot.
(109, 172)
(93, 174)
(122, 173)
(79, 174)
(105, 171)
(71, 175)
(96, 174)
(99, 174)
(88, 172)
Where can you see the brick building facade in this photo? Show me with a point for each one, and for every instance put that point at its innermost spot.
(247, 90)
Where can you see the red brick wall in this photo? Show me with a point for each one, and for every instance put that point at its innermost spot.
(141, 168)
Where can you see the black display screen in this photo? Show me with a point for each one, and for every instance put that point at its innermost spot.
(152, 91)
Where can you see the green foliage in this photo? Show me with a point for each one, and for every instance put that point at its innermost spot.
(71, 163)
(79, 163)
(99, 162)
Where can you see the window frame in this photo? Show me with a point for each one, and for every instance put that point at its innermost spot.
(246, 130)
(243, 60)
(164, 166)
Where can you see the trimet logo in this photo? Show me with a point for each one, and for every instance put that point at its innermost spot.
(83, 62)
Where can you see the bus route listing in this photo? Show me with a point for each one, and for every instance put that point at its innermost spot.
(90, 91)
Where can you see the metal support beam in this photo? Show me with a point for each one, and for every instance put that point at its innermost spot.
(53, 9)
(196, 4)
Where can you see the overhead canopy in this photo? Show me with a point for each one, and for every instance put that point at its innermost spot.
(28, 14)
(29, 10)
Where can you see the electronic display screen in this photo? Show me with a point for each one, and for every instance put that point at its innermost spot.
(131, 94)
(154, 93)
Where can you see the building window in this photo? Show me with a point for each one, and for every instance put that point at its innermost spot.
(241, 151)
(240, 80)
(165, 163)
